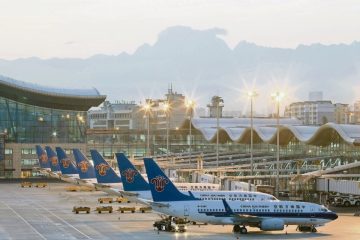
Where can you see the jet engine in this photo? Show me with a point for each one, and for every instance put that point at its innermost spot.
(272, 224)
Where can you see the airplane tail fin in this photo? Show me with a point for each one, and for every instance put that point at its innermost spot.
(131, 177)
(42, 156)
(84, 167)
(66, 165)
(104, 173)
(162, 189)
(54, 162)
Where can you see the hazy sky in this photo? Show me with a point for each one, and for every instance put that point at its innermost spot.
(81, 28)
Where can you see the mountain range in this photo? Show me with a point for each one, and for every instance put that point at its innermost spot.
(200, 62)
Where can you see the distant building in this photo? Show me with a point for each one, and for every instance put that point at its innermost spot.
(342, 113)
(318, 112)
(312, 112)
(118, 115)
(216, 104)
(356, 113)
(176, 112)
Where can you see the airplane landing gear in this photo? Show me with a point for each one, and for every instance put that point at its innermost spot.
(238, 229)
(302, 228)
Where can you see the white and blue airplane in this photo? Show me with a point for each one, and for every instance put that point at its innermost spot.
(135, 186)
(266, 215)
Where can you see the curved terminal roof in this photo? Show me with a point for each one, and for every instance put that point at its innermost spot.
(49, 97)
(265, 130)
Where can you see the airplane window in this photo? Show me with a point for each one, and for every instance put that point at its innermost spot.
(297, 206)
(280, 206)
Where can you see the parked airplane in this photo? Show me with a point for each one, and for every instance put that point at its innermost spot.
(54, 162)
(266, 215)
(106, 177)
(43, 160)
(67, 167)
(85, 169)
(133, 182)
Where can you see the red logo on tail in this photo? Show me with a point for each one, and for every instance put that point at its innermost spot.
(65, 162)
(102, 168)
(54, 161)
(129, 174)
(159, 183)
(83, 165)
(44, 158)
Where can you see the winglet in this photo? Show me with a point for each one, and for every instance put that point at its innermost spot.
(67, 167)
(84, 167)
(130, 176)
(162, 189)
(43, 158)
(104, 173)
(53, 159)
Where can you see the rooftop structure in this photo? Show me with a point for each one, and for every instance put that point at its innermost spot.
(49, 97)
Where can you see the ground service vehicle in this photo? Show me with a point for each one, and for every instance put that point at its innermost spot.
(347, 201)
(26, 184)
(145, 209)
(104, 208)
(78, 209)
(126, 209)
(104, 199)
(170, 224)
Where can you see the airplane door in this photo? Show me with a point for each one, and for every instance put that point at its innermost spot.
(312, 212)
(186, 210)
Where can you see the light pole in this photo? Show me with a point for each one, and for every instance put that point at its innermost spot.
(190, 104)
(166, 111)
(251, 95)
(147, 109)
(218, 101)
(277, 98)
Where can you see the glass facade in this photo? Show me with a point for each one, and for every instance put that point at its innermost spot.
(24, 123)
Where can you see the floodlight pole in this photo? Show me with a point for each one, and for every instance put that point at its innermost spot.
(278, 148)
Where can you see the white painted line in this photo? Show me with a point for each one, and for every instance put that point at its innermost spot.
(17, 214)
(61, 219)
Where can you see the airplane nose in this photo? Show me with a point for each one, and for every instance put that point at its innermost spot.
(334, 216)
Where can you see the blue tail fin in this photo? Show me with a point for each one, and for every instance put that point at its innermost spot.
(162, 189)
(54, 162)
(104, 173)
(42, 156)
(84, 167)
(66, 165)
(131, 178)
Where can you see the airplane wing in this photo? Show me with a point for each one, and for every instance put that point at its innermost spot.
(156, 204)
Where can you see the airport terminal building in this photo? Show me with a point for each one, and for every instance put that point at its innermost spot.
(31, 114)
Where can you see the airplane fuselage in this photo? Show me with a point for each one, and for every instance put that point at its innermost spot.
(250, 213)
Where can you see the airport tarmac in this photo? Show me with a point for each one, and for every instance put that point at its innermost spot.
(32, 213)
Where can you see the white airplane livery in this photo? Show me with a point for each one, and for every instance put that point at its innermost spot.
(266, 215)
